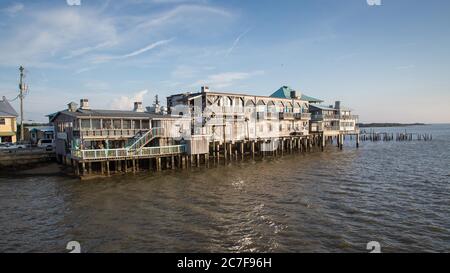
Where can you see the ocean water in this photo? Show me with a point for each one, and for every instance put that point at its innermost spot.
(395, 193)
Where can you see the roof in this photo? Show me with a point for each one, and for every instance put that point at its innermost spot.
(108, 113)
(6, 110)
(42, 128)
(323, 107)
(285, 92)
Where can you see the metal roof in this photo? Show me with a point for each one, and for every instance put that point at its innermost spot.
(323, 107)
(285, 92)
(108, 113)
(6, 110)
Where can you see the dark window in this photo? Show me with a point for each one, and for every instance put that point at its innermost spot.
(136, 124)
(107, 124)
(117, 124)
(85, 124)
(96, 124)
(2, 121)
(126, 124)
(145, 124)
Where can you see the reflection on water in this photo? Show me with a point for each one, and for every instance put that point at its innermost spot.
(396, 193)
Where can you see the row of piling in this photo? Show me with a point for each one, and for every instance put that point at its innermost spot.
(384, 136)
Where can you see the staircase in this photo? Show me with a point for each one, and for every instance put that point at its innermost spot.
(142, 138)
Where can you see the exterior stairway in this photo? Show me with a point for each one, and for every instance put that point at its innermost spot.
(142, 138)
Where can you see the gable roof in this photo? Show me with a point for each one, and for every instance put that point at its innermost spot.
(285, 92)
(6, 110)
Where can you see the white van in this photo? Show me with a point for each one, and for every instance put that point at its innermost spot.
(46, 143)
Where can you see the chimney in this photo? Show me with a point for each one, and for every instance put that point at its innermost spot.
(337, 104)
(72, 107)
(84, 104)
(293, 94)
(205, 89)
(138, 106)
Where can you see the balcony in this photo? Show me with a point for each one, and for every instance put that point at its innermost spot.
(349, 117)
(112, 154)
(324, 117)
(229, 110)
(286, 115)
(109, 133)
(302, 116)
(266, 115)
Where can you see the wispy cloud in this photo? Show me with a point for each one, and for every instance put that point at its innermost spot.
(13, 9)
(84, 50)
(126, 102)
(236, 41)
(82, 70)
(179, 13)
(405, 67)
(48, 34)
(226, 79)
(105, 58)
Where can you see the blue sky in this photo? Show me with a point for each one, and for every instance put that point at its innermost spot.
(390, 63)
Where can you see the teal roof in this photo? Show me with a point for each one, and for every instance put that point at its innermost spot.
(285, 93)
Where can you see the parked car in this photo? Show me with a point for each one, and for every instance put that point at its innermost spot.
(5, 145)
(18, 146)
(46, 143)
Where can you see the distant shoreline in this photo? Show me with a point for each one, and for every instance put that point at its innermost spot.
(366, 125)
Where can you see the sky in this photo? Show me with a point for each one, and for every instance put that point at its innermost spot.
(388, 62)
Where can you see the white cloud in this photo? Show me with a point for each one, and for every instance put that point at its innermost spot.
(236, 41)
(151, 46)
(82, 70)
(47, 34)
(81, 51)
(13, 9)
(226, 79)
(127, 102)
(180, 13)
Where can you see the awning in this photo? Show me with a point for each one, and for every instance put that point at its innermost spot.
(7, 133)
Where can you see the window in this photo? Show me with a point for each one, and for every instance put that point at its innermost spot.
(2, 121)
(107, 124)
(136, 124)
(126, 124)
(117, 124)
(85, 124)
(145, 124)
(96, 124)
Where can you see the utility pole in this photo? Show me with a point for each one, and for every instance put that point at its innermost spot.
(22, 89)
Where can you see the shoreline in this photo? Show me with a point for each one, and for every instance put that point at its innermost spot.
(389, 124)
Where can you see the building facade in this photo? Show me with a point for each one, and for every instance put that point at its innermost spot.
(8, 122)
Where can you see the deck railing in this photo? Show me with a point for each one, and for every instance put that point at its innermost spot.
(304, 116)
(349, 117)
(108, 132)
(99, 154)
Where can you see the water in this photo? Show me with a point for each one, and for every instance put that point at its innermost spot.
(396, 193)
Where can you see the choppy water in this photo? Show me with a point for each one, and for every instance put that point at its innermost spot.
(396, 193)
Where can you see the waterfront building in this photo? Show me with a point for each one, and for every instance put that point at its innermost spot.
(193, 129)
(233, 121)
(333, 121)
(8, 122)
